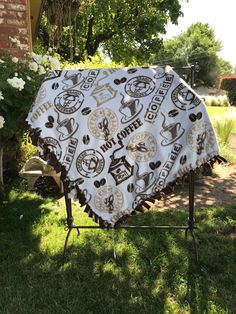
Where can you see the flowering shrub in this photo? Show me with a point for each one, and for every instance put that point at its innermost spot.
(19, 83)
(20, 80)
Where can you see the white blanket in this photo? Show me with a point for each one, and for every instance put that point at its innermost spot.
(121, 136)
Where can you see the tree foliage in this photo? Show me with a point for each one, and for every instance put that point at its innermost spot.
(197, 44)
(126, 30)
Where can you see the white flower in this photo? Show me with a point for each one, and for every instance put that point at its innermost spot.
(33, 66)
(55, 63)
(41, 70)
(28, 78)
(45, 59)
(37, 58)
(15, 59)
(32, 54)
(1, 61)
(49, 50)
(2, 121)
(1, 96)
(16, 74)
(17, 83)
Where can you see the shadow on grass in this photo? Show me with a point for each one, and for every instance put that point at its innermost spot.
(154, 271)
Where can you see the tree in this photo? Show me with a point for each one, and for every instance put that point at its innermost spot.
(197, 44)
(125, 30)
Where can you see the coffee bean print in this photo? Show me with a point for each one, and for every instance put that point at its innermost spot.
(199, 115)
(183, 159)
(97, 184)
(123, 79)
(50, 119)
(173, 113)
(192, 117)
(86, 139)
(86, 111)
(102, 181)
(130, 187)
(117, 82)
(49, 125)
(55, 86)
(152, 165)
(131, 71)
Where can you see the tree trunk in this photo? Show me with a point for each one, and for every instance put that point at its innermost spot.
(2, 191)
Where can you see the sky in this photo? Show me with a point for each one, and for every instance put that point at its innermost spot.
(220, 15)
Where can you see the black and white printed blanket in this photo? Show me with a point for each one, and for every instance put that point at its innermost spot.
(121, 136)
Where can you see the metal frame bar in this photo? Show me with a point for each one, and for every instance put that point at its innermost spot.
(190, 223)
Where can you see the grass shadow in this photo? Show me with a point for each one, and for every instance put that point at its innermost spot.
(153, 272)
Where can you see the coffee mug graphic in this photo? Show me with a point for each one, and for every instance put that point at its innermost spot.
(129, 109)
(170, 132)
(67, 128)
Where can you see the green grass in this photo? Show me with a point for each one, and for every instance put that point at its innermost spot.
(154, 271)
(219, 111)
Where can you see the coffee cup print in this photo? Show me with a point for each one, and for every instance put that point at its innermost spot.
(129, 109)
(72, 79)
(143, 181)
(67, 128)
(170, 132)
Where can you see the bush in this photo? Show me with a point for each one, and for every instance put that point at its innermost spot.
(92, 62)
(221, 101)
(227, 153)
(228, 83)
(224, 125)
(26, 150)
(20, 80)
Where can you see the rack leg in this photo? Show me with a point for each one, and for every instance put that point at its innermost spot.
(191, 219)
(194, 245)
(66, 242)
(70, 218)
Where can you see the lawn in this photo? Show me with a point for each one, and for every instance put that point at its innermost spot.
(229, 111)
(153, 272)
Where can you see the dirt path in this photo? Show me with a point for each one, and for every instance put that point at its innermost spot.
(218, 189)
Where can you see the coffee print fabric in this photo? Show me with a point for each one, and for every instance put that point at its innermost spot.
(120, 137)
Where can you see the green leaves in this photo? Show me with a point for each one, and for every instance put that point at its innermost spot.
(123, 29)
(197, 44)
(16, 103)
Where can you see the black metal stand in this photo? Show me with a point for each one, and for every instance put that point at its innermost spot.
(188, 228)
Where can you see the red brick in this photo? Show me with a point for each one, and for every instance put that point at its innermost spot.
(5, 44)
(8, 14)
(23, 31)
(3, 36)
(21, 15)
(8, 30)
(16, 22)
(16, 7)
(14, 1)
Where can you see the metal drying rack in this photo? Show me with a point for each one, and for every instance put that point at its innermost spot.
(189, 227)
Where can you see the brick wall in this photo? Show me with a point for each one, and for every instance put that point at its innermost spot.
(15, 22)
